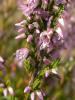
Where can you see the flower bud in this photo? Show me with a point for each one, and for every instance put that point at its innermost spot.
(46, 61)
(21, 23)
(47, 73)
(5, 92)
(37, 31)
(59, 31)
(30, 26)
(21, 30)
(20, 36)
(54, 71)
(32, 96)
(1, 59)
(39, 94)
(27, 89)
(21, 55)
(10, 89)
(1, 85)
(61, 21)
(29, 38)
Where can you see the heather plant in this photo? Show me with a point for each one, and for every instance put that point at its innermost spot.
(43, 32)
(33, 64)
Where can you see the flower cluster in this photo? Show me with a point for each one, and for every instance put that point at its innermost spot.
(6, 89)
(43, 29)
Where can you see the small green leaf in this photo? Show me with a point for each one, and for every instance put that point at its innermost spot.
(36, 83)
(55, 63)
(27, 65)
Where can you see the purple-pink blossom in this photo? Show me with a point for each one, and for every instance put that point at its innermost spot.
(21, 55)
(29, 38)
(28, 7)
(27, 89)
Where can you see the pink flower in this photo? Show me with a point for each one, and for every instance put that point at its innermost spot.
(47, 73)
(37, 31)
(60, 1)
(30, 26)
(27, 89)
(40, 96)
(61, 21)
(32, 96)
(10, 89)
(28, 7)
(20, 36)
(21, 55)
(59, 32)
(45, 1)
(35, 24)
(21, 30)
(29, 38)
(1, 59)
(20, 24)
(46, 61)
(42, 13)
(45, 37)
(5, 92)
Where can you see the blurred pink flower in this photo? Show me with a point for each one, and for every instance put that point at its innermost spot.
(32, 96)
(1, 59)
(27, 89)
(47, 73)
(29, 38)
(59, 32)
(21, 55)
(20, 24)
(10, 90)
(46, 61)
(21, 30)
(45, 38)
(5, 92)
(40, 96)
(20, 36)
(28, 7)
(61, 21)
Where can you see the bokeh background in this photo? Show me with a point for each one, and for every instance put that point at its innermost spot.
(17, 78)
